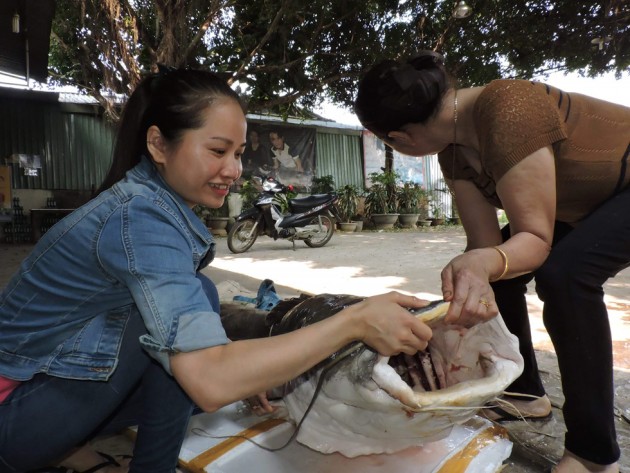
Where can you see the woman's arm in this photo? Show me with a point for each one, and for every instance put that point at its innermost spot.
(216, 376)
(527, 192)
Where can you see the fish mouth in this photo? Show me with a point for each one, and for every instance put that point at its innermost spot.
(445, 374)
(419, 371)
(369, 403)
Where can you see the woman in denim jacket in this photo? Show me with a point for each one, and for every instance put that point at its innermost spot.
(108, 322)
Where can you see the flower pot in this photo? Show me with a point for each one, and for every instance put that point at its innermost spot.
(217, 225)
(424, 223)
(408, 220)
(347, 226)
(437, 221)
(359, 227)
(382, 221)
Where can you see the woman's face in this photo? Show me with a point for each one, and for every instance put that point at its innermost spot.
(417, 140)
(276, 140)
(419, 147)
(206, 162)
(253, 136)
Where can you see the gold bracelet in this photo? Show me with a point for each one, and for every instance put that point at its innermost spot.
(504, 257)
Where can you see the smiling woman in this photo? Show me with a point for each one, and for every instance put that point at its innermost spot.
(123, 292)
(179, 144)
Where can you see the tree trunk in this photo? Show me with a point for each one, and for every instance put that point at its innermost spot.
(389, 158)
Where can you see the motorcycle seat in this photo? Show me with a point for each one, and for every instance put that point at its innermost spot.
(310, 201)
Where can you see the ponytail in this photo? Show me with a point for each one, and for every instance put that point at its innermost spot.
(127, 148)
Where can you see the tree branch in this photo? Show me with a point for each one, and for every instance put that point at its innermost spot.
(271, 30)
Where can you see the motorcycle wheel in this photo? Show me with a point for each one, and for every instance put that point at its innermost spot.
(241, 237)
(322, 238)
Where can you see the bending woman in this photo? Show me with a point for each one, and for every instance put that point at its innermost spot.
(556, 163)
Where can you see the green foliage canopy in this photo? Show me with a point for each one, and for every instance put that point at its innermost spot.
(283, 53)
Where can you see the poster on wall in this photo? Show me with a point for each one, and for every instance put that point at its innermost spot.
(5, 187)
(409, 168)
(285, 152)
(31, 164)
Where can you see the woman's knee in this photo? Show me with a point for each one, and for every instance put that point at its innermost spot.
(548, 279)
(563, 274)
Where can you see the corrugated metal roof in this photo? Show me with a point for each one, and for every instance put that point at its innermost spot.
(75, 144)
(324, 126)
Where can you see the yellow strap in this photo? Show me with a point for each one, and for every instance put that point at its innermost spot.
(459, 462)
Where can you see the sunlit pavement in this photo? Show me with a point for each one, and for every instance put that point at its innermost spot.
(370, 262)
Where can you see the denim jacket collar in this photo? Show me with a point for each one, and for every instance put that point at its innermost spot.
(147, 173)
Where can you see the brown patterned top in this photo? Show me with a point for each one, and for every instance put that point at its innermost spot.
(590, 138)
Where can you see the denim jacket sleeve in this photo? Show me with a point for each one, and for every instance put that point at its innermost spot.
(148, 247)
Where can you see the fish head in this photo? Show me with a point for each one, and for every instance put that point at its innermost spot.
(360, 402)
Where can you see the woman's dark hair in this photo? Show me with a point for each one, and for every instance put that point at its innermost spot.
(392, 93)
(174, 101)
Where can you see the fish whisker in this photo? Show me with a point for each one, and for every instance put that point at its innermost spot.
(320, 382)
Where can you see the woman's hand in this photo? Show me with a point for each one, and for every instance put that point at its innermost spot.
(259, 404)
(386, 325)
(465, 285)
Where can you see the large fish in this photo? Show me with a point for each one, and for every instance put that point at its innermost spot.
(358, 402)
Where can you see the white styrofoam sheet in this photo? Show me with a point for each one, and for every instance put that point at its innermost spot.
(481, 450)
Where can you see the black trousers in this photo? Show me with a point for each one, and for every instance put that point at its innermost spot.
(570, 284)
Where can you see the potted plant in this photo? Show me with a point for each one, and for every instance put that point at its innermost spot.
(424, 200)
(217, 219)
(202, 212)
(437, 212)
(347, 205)
(455, 218)
(381, 200)
(249, 193)
(282, 199)
(358, 219)
(323, 184)
(412, 202)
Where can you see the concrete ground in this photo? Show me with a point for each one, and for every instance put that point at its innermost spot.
(371, 262)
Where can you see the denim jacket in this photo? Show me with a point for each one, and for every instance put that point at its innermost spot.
(135, 247)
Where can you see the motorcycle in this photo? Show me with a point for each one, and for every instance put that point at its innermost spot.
(311, 219)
